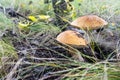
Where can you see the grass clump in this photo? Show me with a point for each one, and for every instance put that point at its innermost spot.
(8, 55)
(7, 50)
(5, 23)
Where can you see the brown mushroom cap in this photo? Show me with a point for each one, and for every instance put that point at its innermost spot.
(72, 38)
(89, 22)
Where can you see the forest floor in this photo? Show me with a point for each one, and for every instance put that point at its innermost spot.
(30, 51)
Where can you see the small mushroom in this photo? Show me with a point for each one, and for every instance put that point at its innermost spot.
(71, 38)
(74, 39)
(89, 22)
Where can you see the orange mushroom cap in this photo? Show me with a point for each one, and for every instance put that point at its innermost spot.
(72, 38)
(89, 22)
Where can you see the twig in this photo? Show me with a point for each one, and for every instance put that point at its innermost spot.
(114, 60)
(10, 75)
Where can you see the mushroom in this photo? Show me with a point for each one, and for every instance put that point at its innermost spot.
(71, 38)
(74, 39)
(89, 22)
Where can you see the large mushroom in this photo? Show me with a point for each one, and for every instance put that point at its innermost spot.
(74, 39)
(89, 22)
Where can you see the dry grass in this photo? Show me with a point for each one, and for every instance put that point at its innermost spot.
(40, 57)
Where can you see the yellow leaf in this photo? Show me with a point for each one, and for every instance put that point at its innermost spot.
(32, 18)
(22, 26)
(44, 17)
